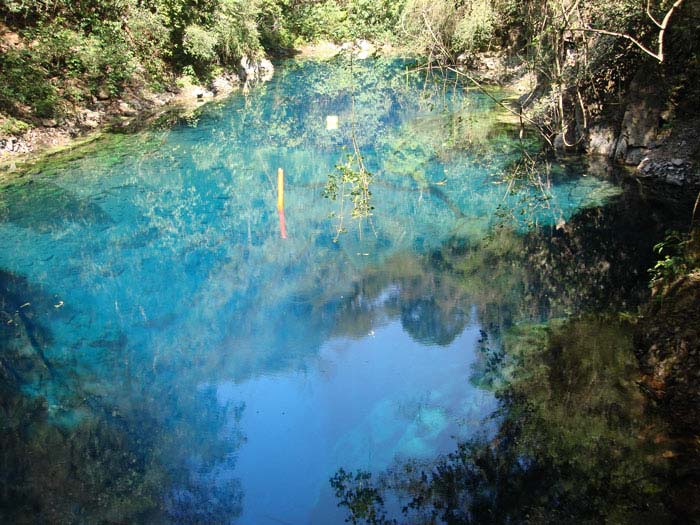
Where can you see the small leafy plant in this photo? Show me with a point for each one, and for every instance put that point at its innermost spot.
(350, 181)
(675, 258)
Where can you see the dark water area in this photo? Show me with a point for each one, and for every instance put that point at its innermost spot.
(462, 356)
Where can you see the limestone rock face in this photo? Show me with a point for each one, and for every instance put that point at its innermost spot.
(640, 124)
(601, 141)
(224, 84)
(126, 110)
(630, 140)
(191, 92)
(90, 119)
(252, 70)
(364, 49)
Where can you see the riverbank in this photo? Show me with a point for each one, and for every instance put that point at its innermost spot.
(138, 105)
(669, 156)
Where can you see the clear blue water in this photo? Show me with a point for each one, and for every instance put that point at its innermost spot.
(240, 369)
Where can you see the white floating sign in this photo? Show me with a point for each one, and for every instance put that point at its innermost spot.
(332, 122)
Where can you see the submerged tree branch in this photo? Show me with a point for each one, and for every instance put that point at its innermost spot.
(486, 92)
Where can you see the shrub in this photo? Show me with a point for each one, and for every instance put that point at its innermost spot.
(475, 27)
(150, 40)
(236, 31)
(200, 44)
(12, 126)
(375, 18)
(24, 89)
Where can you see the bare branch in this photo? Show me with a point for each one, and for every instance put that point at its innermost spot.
(481, 88)
(658, 24)
(663, 26)
(621, 35)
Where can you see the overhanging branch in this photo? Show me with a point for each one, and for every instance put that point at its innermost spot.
(663, 26)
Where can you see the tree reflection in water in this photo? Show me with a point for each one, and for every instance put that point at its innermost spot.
(68, 457)
(577, 441)
(576, 444)
(169, 264)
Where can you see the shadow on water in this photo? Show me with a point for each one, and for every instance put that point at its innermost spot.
(577, 441)
(595, 262)
(69, 457)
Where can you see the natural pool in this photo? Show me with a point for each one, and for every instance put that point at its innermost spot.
(169, 358)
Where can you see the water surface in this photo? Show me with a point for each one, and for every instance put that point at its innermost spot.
(169, 358)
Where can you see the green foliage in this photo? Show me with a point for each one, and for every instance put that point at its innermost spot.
(430, 25)
(99, 58)
(676, 258)
(24, 85)
(445, 28)
(274, 24)
(150, 38)
(13, 126)
(236, 31)
(350, 181)
(67, 53)
(475, 28)
(199, 44)
(322, 20)
(70, 52)
(339, 21)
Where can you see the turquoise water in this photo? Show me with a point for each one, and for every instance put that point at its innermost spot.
(214, 372)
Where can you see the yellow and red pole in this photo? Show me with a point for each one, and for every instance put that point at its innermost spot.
(280, 202)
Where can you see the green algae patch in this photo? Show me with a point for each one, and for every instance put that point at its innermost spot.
(104, 149)
(32, 163)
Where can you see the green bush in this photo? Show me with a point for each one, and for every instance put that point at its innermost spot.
(275, 24)
(321, 21)
(24, 85)
(200, 44)
(475, 27)
(445, 28)
(376, 18)
(100, 59)
(236, 31)
(115, 65)
(150, 39)
(12, 126)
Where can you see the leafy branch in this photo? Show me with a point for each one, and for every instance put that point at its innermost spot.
(350, 180)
